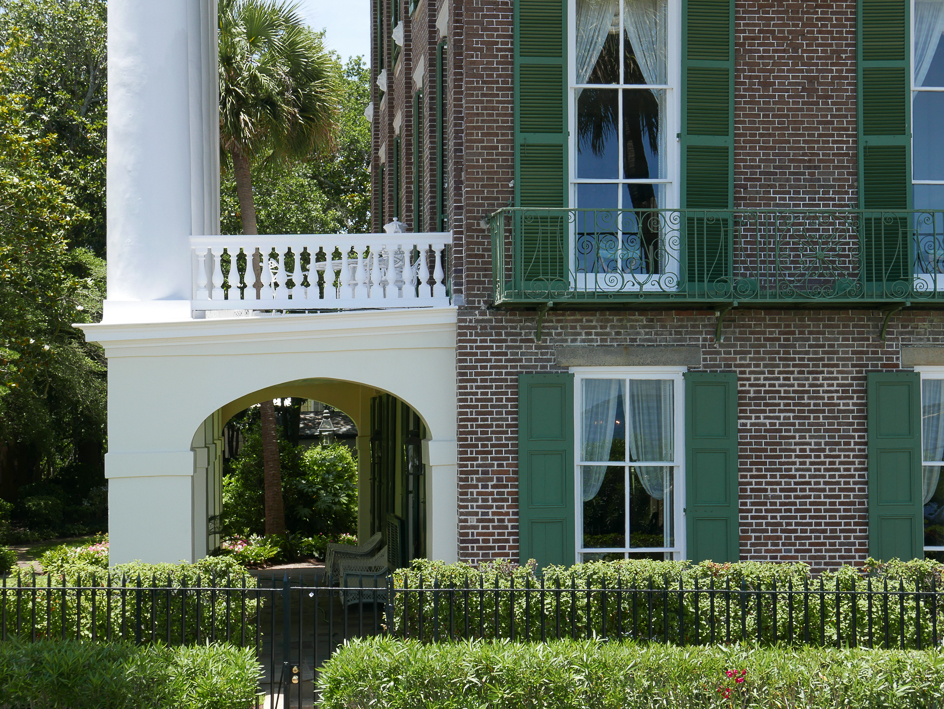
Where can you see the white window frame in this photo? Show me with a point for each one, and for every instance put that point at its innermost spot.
(672, 127)
(928, 373)
(930, 281)
(676, 375)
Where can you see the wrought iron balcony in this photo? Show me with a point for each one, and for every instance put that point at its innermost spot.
(761, 258)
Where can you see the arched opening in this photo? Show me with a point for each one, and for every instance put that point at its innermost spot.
(390, 441)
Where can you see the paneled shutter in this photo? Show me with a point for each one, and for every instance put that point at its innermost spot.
(541, 139)
(896, 522)
(711, 465)
(707, 141)
(546, 468)
(884, 140)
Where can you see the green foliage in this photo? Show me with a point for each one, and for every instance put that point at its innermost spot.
(319, 489)
(76, 675)
(62, 506)
(255, 551)
(576, 596)
(579, 674)
(326, 194)
(7, 559)
(113, 593)
(6, 509)
(65, 556)
(52, 382)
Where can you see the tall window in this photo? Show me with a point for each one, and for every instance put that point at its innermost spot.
(419, 161)
(932, 446)
(927, 110)
(623, 121)
(629, 464)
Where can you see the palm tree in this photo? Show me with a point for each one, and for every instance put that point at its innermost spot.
(277, 102)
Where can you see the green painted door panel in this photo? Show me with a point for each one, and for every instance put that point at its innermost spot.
(896, 521)
(711, 465)
(546, 468)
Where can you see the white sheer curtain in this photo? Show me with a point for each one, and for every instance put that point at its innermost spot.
(932, 434)
(645, 24)
(652, 430)
(594, 19)
(928, 28)
(600, 401)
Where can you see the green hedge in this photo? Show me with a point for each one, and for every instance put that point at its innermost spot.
(78, 675)
(573, 603)
(580, 674)
(101, 604)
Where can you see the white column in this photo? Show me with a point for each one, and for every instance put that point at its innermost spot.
(442, 514)
(162, 153)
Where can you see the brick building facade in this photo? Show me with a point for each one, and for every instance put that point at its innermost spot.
(811, 469)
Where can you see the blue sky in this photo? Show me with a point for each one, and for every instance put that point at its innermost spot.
(347, 23)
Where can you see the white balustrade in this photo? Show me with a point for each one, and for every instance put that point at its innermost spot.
(371, 271)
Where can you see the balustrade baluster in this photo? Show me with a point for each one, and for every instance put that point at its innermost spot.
(267, 292)
(376, 288)
(439, 274)
(298, 290)
(424, 290)
(409, 279)
(227, 275)
(360, 290)
(216, 271)
(330, 292)
(390, 292)
(202, 293)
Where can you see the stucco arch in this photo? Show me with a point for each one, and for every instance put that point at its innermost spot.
(167, 379)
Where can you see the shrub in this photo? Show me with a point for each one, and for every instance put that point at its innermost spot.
(253, 551)
(41, 512)
(574, 604)
(89, 556)
(103, 603)
(74, 675)
(6, 510)
(7, 560)
(578, 674)
(319, 489)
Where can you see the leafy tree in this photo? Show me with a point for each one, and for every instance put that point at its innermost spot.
(56, 62)
(277, 103)
(52, 384)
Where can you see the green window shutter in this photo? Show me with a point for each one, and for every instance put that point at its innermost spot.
(707, 139)
(541, 178)
(381, 195)
(396, 177)
(711, 466)
(896, 520)
(419, 160)
(884, 139)
(442, 157)
(546, 468)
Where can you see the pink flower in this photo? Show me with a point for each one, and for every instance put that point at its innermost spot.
(739, 680)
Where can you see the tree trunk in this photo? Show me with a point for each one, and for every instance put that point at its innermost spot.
(272, 473)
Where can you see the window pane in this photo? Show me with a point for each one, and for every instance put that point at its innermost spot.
(603, 556)
(928, 47)
(604, 507)
(643, 148)
(652, 420)
(641, 231)
(650, 507)
(596, 231)
(932, 420)
(929, 197)
(934, 507)
(602, 421)
(597, 42)
(929, 231)
(598, 144)
(644, 41)
(928, 127)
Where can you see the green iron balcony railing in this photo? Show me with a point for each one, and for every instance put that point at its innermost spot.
(573, 257)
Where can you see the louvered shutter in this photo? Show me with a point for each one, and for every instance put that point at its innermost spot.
(884, 139)
(896, 520)
(711, 465)
(541, 139)
(546, 468)
(708, 141)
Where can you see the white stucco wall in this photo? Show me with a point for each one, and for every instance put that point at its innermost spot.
(166, 379)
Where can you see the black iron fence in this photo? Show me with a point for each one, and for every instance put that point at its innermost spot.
(295, 626)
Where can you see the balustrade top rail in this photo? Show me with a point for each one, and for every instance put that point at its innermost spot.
(758, 257)
(321, 272)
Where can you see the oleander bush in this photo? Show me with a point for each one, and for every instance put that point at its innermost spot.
(83, 601)
(78, 675)
(613, 598)
(586, 673)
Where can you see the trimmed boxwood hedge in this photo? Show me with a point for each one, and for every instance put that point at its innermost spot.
(70, 674)
(587, 673)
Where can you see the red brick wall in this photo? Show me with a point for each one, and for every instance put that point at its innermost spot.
(801, 374)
